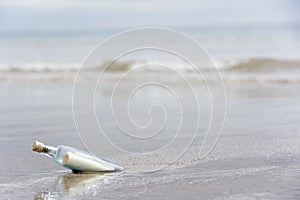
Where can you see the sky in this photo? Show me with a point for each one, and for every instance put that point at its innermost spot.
(76, 15)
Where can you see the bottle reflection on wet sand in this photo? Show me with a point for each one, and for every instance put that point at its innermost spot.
(73, 184)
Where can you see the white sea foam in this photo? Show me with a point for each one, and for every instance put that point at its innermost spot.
(245, 70)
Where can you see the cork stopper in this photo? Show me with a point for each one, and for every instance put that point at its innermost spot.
(38, 146)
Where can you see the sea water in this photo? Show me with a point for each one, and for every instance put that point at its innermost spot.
(241, 53)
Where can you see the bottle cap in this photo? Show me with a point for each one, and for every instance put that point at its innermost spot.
(37, 146)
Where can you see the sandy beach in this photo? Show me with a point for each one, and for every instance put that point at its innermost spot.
(195, 99)
(257, 156)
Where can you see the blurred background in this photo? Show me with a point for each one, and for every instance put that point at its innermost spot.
(259, 37)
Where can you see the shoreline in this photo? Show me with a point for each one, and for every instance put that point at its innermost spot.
(259, 145)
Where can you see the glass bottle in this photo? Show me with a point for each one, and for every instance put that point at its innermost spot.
(75, 159)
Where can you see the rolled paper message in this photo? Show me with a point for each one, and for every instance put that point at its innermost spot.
(80, 162)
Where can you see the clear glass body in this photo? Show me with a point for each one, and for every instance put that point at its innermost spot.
(80, 161)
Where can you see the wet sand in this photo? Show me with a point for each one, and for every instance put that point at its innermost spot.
(257, 156)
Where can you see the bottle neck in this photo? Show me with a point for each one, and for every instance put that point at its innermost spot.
(49, 151)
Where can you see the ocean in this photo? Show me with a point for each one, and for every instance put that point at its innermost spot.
(241, 53)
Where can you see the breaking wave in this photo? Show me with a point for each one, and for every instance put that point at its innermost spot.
(244, 65)
(264, 65)
(245, 70)
(64, 67)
